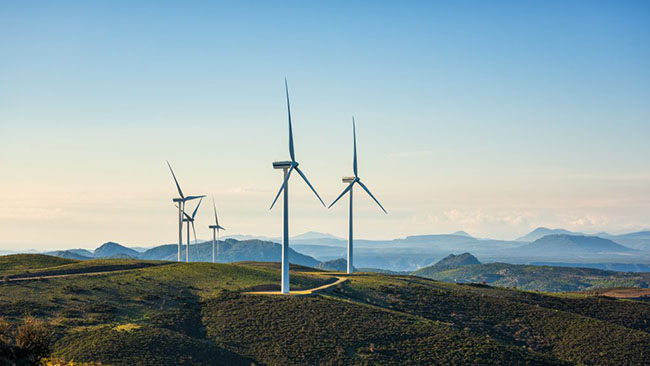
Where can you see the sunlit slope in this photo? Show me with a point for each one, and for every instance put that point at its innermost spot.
(197, 314)
(15, 263)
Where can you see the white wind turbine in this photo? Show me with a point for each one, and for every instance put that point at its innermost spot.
(288, 167)
(351, 181)
(180, 203)
(190, 221)
(215, 233)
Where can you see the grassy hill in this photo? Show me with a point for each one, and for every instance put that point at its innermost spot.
(20, 263)
(198, 314)
(540, 278)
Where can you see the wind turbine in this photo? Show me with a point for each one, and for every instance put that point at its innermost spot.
(180, 203)
(215, 232)
(190, 221)
(351, 181)
(288, 167)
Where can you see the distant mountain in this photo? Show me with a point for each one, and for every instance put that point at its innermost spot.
(310, 237)
(462, 233)
(242, 237)
(541, 232)
(637, 240)
(449, 262)
(441, 238)
(340, 265)
(314, 235)
(563, 244)
(111, 249)
(69, 254)
(635, 235)
(82, 252)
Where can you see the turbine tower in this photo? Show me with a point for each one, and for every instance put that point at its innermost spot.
(190, 221)
(351, 182)
(288, 167)
(215, 233)
(180, 203)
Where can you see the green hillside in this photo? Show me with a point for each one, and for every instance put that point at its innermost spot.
(198, 314)
(540, 278)
(17, 263)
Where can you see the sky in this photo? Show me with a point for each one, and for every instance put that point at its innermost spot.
(489, 117)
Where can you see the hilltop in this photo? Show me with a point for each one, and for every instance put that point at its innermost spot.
(132, 316)
(339, 265)
(449, 262)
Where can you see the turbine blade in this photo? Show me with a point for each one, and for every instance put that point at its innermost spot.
(221, 227)
(373, 197)
(354, 162)
(346, 190)
(184, 213)
(192, 222)
(196, 209)
(189, 198)
(175, 180)
(282, 186)
(309, 184)
(291, 152)
(216, 220)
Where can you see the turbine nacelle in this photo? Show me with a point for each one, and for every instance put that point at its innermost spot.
(284, 164)
(349, 179)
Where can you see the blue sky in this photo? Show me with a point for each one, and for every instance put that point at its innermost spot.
(492, 117)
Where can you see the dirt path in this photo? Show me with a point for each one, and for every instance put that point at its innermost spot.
(299, 292)
(36, 277)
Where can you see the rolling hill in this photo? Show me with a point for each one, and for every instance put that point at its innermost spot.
(530, 277)
(198, 313)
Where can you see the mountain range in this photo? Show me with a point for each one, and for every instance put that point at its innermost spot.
(628, 252)
(230, 250)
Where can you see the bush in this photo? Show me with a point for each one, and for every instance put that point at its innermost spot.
(31, 341)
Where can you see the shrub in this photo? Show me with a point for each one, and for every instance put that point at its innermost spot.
(33, 339)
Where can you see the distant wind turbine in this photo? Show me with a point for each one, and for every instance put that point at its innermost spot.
(288, 167)
(215, 233)
(351, 181)
(181, 210)
(190, 221)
